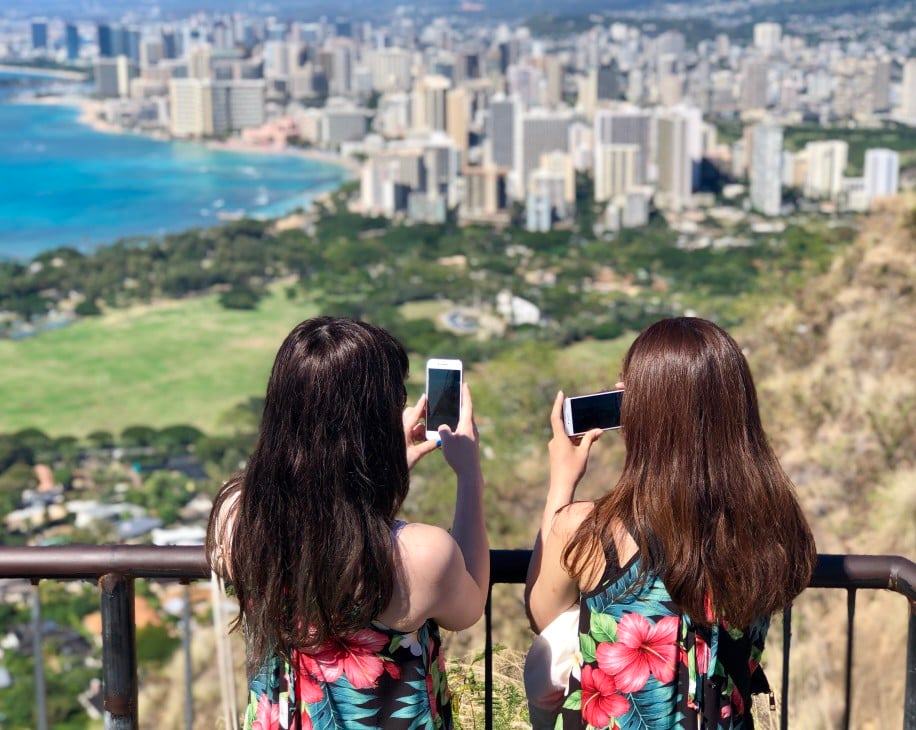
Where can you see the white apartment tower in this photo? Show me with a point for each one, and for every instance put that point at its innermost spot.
(618, 169)
(766, 169)
(908, 93)
(675, 166)
(826, 162)
(882, 173)
(767, 37)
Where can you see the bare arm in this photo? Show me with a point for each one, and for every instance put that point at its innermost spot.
(461, 451)
(549, 589)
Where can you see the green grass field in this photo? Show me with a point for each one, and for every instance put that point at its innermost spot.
(177, 362)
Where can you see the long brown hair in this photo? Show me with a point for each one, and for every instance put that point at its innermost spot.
(710, 509)
(311, 548)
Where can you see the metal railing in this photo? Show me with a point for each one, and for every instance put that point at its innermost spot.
(116, 566)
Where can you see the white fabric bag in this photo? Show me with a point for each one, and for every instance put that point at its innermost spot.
(553, 657)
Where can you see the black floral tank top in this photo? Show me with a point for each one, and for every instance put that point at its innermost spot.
(645, 666)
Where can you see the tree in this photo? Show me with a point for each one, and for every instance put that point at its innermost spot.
(177, 438)
(136, 436)
(87, 308)
(240, 297)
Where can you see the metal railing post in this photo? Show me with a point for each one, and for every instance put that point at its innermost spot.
(188, 664)
(38, 657)
(909, 692)
(488, 663)
(119, 652)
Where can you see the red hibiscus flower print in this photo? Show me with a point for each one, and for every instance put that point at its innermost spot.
(307, 676)
(641, 649)
(702, 651)
(601, 702)
(356, 658)
(267, 716)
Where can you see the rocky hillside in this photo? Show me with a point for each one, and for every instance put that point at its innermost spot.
(836, 370)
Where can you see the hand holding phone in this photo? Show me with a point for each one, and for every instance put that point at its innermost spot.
(443, 395)
(586, 412)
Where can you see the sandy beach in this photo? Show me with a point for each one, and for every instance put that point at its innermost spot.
(91, 114)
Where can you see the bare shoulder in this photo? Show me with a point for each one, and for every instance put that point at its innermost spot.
(570, 518)
(427, 552)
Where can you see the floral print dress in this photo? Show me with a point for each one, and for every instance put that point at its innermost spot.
(376, 678)
(644, 666)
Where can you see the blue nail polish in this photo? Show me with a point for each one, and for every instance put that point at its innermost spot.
(438, 443)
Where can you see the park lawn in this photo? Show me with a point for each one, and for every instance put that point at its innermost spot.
(185, 361)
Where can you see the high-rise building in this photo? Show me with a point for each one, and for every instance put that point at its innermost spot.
(112, 77)
(458, 117)
(553, 72)
(675, 166)
(526, 83)
(500, 132)
(191, 107)
(105, 40)
(754, 85)
(390, 69)
(618, 168)
(203, 107)
(626, 125)
(767, 37)
(485, 195)
(39, 35)
(825, 163)
(428, 103)
(537, 132)
(882, 173)
(908, 92)
(72, 39)
(199, 62)
(343, 124)
(151, 51)
(766, 169)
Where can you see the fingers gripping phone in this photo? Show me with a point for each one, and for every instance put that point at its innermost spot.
(443, 395)
(599, 410)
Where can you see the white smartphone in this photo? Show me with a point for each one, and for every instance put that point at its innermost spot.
(443, 395)
(598, 410)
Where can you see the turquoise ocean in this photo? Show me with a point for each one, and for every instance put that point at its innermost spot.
(64, 184)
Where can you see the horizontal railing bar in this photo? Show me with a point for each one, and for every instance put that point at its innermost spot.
(93, 561)
(893, 572)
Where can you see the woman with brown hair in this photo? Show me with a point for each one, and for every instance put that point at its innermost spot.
(341, 603)
(678, 568)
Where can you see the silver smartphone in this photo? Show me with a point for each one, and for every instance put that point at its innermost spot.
(443, 395)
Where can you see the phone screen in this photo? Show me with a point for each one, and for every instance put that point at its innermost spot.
(601, 410)
(444, 394)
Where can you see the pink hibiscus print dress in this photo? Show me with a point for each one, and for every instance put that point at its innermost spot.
(376, 678)
(646, 667)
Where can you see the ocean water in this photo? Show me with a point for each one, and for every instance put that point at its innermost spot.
(63, 184)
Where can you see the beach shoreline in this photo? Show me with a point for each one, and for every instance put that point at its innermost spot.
(89, 115)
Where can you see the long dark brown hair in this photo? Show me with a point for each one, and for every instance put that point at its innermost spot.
(310, 551)
(712, 512)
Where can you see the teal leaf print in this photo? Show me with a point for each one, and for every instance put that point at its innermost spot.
(340, 707)
(416, 705)
(603, 627)
(652, 707)
(587, 647)
(620, 597)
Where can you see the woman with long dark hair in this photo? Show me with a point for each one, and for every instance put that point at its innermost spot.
(678, 568)
(339, 601)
